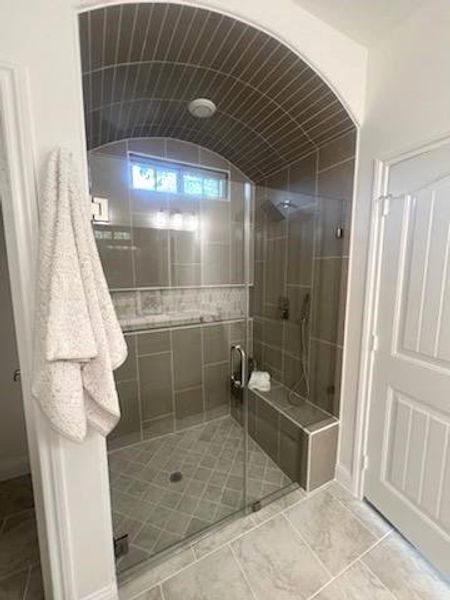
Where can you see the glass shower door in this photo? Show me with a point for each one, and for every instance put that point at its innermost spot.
(177, 267)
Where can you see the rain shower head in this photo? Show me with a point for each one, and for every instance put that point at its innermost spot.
(282, 205)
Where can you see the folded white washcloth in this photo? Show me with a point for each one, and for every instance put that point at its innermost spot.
(78, 340)
(259, 380)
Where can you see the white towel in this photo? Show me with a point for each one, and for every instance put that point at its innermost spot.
(259, 380)
(78, 339)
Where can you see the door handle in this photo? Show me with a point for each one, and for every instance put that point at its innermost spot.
(16, 375)
(242, 382)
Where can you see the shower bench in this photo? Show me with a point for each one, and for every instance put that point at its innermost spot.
(300, 437)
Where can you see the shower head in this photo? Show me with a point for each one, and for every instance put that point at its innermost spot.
(281, 205)
(287, 205)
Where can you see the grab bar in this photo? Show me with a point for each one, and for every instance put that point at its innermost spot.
(242, 382)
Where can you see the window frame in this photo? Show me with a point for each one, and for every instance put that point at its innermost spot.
(136, 157)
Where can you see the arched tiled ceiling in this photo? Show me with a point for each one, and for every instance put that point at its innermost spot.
(143, 63)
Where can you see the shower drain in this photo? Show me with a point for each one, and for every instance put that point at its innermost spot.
(176, 476)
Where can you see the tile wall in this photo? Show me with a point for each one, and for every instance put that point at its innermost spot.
(173, 379)
(300, 256)
(137, 254)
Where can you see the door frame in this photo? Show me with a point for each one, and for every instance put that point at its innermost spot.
(20, 214)
(381, 171)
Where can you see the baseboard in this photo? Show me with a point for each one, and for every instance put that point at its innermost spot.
(344, 476)
(14, 467)
(107, 593)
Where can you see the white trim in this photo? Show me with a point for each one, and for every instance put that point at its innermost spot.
(19, 202)
(380, 187)
(109, 592)
(343, 476)
(345, 350)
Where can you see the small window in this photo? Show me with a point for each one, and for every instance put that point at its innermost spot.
(169, 177)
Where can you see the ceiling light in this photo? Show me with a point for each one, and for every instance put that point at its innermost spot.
(202, 108)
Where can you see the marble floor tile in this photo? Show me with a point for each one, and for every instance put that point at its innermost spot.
(401, 568)
(153, 594)
(277, 563)
(371, 519)
(149, 578)
(337, 537)
(357, 583)
(221, 536)
(275, 507)
(215, 577)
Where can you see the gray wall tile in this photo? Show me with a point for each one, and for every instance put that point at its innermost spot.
(188, 408)
(150, 146)
(323, 457)
(325, 376)
(159, 426)
(155, 374)
(327, 324)
(267, 428)
(187, 357)
(216, 345)
(129, 408)
(293, 450)
(152, 342)
(338, 150)
(116, 254)
(216, 264)
(129, 368)
(182, 151)
(217, 386)
(151, 257)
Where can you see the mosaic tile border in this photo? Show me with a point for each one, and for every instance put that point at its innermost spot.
(150, 309)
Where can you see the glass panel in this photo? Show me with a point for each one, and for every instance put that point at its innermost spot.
(175, 264)
(192, 448)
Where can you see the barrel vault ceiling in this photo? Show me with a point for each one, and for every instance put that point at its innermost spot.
(143, 63)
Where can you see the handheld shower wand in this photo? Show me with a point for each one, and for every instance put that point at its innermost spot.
(304, 375)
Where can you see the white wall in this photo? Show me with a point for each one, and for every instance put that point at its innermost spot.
(407, 105)
(13, 442)
(40, 37)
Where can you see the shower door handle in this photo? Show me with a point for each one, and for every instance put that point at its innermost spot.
(242, 382)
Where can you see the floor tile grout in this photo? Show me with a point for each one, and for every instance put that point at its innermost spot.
(394, 596)
(308, 545)
(240, 535)
(241, 568)
(350, 565)
(352, 512)
(161, 591)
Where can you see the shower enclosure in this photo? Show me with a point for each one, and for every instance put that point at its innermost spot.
(224, 242)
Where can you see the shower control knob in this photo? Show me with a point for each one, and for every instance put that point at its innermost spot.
(16, 375)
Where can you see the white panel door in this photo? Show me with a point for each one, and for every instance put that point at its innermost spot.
(408, 474)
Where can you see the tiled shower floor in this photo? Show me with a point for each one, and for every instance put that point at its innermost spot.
(156, 512)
